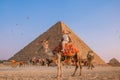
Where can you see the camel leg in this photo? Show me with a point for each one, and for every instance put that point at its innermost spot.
(59, 74)
(76, 64)
(80, 68)
(88, 64)
(60, 69)
(92, 66)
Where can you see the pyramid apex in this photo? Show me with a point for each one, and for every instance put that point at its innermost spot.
(60, 22)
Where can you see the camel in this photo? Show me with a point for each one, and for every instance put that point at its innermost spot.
(37, 61)
(14, 63)
(90, 58)
(57, 55)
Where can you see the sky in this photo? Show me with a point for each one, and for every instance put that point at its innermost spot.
(96, 22)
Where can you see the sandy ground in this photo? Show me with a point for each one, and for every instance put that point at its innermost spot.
(49, 73)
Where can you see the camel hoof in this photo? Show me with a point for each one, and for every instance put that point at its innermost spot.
(80, 75)
(58, 77)
(73, 75)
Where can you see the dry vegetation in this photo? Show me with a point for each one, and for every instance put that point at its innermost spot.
(30, 72)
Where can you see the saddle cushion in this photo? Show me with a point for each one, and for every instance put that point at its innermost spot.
(70, 49)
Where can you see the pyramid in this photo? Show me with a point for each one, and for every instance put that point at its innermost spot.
(114, 62)
(53, 35)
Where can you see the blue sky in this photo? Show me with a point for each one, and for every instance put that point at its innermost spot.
(96, 22)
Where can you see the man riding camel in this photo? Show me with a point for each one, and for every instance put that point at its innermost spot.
(65, 39)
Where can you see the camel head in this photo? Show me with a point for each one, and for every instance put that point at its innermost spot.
(45, 45)
(46, 48)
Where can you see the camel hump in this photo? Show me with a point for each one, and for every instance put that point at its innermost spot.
(13, 61)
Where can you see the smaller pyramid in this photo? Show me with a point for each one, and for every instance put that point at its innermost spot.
(114, 62)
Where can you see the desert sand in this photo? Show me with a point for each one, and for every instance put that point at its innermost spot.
(49, 73)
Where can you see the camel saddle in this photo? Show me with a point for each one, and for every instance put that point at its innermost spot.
(69, 50)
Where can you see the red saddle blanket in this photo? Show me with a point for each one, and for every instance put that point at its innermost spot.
(69, 50)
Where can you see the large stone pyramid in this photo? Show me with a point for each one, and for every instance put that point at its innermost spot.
(53, 35)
